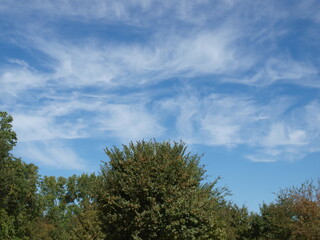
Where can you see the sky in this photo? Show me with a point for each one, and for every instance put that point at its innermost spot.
(237, 81)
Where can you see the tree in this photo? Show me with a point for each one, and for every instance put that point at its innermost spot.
(153, 190)
(18, 198)
(8, 138)
(68, 207)
(295, 215)
(239, 222)
(86, 224)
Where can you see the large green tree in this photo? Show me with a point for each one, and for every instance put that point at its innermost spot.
(155, 190)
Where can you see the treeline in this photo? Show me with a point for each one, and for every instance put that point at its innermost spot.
(147, 190)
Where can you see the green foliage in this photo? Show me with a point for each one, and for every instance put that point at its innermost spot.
(154, 190)
(64, 202)
(256, 230)
(8, 138)
(86, 225)
(295, 215)
(7, 230)
(238, 222)
(18, 199)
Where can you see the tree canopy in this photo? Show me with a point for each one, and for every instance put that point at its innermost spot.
(155, 190)
(295, 214)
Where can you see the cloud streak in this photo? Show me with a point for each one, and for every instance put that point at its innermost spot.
(51, 153)
(221, 120)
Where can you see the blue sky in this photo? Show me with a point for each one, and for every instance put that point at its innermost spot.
(236, 80)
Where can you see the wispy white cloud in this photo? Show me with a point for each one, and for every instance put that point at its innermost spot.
(286, 70)
(213, 120)
(308, 9)
(110, 64)
(254, 158)
(291, 137)
(132, 12)
(34, 128)
(274, 131)
(18, 79)
(129, 122)
(283, 135)
(311, 118)
(88, 117)
(279, 153)
(51, 153)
